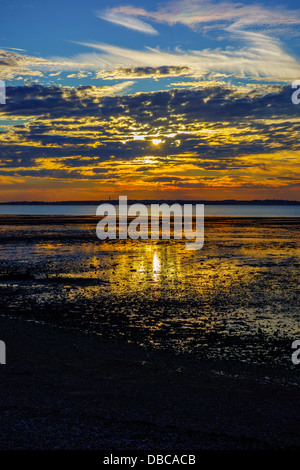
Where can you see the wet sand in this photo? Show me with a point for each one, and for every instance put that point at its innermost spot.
(141, 345)
(65, 390)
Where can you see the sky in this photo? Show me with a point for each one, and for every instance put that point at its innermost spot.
(154, 100)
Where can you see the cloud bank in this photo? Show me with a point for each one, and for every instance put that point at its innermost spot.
(213, 138)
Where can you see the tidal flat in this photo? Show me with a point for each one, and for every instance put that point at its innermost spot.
(144, 338)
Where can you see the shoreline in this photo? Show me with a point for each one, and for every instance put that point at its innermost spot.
(36, 219)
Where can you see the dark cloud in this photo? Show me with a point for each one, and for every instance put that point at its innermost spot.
(213, 104)
(214, 126)
(144, 72)
(57, 174)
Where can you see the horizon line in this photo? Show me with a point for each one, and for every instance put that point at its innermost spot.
(149, 201)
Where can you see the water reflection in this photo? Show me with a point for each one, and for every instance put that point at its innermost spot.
(156, 267)
(241, 288)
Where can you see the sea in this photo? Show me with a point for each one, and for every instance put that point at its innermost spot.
(209, 210)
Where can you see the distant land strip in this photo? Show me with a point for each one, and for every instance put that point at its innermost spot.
(254, 202)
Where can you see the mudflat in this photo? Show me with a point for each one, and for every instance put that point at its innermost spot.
(66, 390)
(143, 345)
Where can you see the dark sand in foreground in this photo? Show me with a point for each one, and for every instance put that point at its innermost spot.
(66, 390)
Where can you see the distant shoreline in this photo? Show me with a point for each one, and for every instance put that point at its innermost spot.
(254, 202)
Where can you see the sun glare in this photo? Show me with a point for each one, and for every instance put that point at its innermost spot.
(156, 141)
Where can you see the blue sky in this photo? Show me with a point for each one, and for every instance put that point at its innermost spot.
(60, 30)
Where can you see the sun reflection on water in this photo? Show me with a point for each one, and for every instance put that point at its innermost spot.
(156, 267)
(243, 283)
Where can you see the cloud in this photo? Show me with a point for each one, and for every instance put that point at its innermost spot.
(198, 13)
(262, 57)
(204, 103)
(212, 137)
(216, 123)
(37, 99)
(256, 26)
(13, 64)
(143, 72)
(78, 75)
(127, 21)
(258, 55)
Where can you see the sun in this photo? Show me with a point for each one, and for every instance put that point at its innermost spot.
(156, 141)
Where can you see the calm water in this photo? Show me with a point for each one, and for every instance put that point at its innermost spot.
(210, 210)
